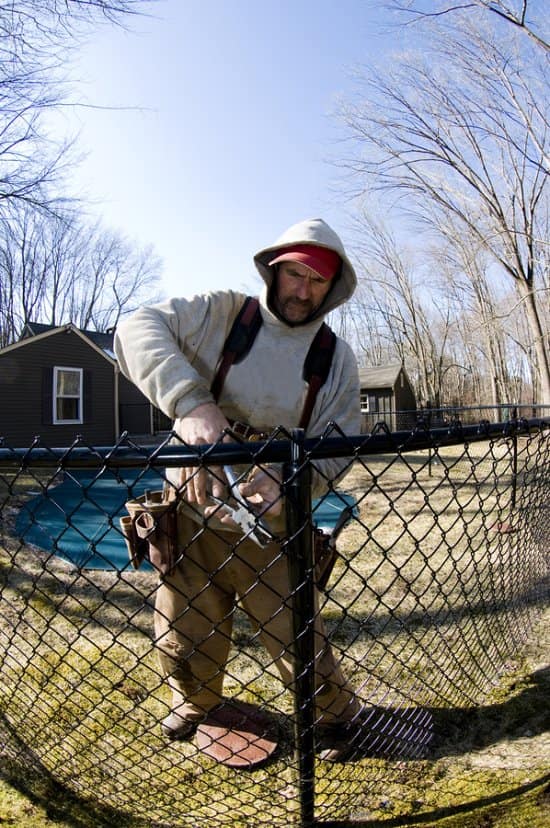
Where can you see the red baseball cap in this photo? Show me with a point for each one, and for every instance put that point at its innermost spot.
(325, 262)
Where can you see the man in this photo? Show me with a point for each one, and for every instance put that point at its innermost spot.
(171, 352)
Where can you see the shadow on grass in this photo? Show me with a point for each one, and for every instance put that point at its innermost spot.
(460, 731)
(27, 775)
(526, 804)
(525, 712)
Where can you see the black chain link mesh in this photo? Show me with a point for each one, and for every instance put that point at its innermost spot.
(438, 581)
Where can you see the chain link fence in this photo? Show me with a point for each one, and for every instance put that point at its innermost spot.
(447, 416)
(434, 585)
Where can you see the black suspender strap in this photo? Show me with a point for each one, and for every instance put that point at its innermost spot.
(239, 341)
(316, 368)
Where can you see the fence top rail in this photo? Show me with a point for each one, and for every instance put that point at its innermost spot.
(509, 408)
(127, 454)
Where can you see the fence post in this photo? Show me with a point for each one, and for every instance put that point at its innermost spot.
(514, 456)
(297, 476)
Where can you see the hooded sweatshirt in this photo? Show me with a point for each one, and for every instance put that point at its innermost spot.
(171, 351)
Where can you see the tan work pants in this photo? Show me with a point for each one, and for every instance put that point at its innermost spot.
(194, 616)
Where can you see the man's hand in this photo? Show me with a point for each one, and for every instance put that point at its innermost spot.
(263, 489)
(203, 424)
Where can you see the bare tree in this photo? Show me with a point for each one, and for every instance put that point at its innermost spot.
(462, 133)
(50, 265)
(393, 299)
(445, 314)
(55, 270)
(36, 37)
(479, 326)
(514, 12)
(116, 279)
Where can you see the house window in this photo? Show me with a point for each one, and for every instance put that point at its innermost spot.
(67, 395)
(364, 399)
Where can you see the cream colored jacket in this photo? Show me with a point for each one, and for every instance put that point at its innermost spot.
(171, 351)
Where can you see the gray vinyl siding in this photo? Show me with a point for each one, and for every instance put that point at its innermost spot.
(390, 396)
(134, 407)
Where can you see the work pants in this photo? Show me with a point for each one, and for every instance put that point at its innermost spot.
(194, 616)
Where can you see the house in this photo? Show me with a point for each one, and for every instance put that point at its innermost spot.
(60, 382)
(386, 396)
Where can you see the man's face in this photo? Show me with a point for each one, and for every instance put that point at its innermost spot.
(299, 291)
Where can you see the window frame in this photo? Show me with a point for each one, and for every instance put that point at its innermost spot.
(56, 396)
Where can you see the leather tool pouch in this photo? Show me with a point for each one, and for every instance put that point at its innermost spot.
(324, 555)
(150, 531)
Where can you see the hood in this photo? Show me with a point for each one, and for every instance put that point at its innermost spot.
(312, 231)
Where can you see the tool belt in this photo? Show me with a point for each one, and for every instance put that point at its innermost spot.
(248, 432)
(151, 533)
(325, 555)
(151, 530)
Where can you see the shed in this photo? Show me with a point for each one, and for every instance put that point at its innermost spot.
(60, 381)
(386, 396)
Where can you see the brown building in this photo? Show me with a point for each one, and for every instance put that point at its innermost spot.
(61, 382)
(386, 396)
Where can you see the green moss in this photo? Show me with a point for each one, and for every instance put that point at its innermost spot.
(34, 800)
(529, 809)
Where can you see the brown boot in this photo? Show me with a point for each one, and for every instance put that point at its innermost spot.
(177, 728)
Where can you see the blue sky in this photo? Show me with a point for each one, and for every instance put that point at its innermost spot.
(219, 126)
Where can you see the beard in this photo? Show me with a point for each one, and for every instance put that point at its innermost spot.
(295, 310)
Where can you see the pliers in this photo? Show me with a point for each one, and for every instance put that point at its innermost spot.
(243, 513)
